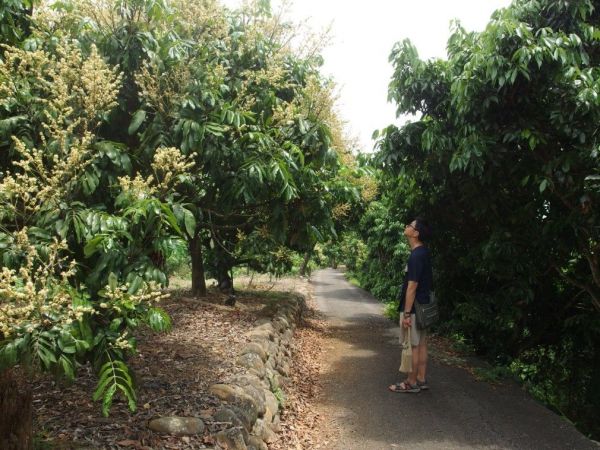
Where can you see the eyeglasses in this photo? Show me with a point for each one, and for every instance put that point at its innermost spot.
(412, 226)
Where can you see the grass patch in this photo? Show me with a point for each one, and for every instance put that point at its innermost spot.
(461, 344)
(352, 279)
(390, 310)
(280, 396)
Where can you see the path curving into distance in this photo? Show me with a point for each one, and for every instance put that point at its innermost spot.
(362, 356)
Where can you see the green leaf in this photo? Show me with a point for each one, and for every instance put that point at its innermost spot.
(8, 355)
(67, 344)
(113, 281)
(303, 125)
(130, 395)
(107, 399)
(115, 324)
(39, 233)
(189, 222)
(8, 125)
(134, 283)
(93, 245)
(90, 182)
(159, 320)
(45, 352)
(170, 218)
(136, 121)
(67, 367)
(113, 375)
(85, 331)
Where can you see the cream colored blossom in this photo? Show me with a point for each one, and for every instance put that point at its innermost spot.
(168, 163)
(114, 297)
(204, 20)
(369, 188)
(340, 211)
(163, 90)
(138, 187)
(72, 91)
(285, 35)
(37, 295)
(122, 343)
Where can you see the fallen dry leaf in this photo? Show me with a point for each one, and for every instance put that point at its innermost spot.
(129, 443)
(173, 372)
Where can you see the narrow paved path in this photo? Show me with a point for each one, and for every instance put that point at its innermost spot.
(458, 412)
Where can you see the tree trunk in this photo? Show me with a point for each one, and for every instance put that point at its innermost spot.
(198, 281)
(225, 282)
(15, 411)
(223, 266)
(304, 265)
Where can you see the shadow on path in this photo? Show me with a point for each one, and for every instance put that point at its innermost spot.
(362, 358)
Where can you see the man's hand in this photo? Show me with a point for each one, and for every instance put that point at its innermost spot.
(406, 322)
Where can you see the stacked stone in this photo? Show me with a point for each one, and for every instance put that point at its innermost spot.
(251, 400)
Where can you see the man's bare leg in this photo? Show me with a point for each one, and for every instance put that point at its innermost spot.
(421, 350)
(412, 376)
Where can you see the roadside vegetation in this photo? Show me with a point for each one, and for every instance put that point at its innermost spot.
(502, 157)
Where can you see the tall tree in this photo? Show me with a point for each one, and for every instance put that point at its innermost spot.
(504, 158)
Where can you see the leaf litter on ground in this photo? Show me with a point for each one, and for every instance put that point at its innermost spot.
(174, 370)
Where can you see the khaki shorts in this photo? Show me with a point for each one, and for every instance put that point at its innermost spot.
(415, 334)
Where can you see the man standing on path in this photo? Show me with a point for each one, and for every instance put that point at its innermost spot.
(418, 281)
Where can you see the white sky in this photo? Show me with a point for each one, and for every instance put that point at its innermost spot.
(363, 36)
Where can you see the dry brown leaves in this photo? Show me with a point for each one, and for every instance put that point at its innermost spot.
(173, 372)
(443, 350)
(299, 428)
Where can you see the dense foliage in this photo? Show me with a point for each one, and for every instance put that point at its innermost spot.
(15, 18)
(504, 160)
(134, 130)
(377, 254)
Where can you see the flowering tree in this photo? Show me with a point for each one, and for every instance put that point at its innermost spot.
(250, 111)
(75, 277)
(127, 126)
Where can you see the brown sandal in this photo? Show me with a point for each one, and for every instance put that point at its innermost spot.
(405, 387)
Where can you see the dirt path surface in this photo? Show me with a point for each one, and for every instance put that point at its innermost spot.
(361, 359)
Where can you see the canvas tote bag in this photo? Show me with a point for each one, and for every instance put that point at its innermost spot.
(406, 359)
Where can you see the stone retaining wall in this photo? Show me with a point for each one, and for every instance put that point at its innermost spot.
(252, 400)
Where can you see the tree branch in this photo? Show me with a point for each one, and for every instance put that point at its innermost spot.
(584, 286)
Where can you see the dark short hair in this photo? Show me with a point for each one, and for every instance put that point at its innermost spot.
(422, 226)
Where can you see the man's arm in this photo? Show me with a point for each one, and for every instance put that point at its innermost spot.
(411, 292)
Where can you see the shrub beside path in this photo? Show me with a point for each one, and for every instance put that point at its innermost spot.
(361, 358)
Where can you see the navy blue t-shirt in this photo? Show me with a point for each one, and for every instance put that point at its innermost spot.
(418, 269)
